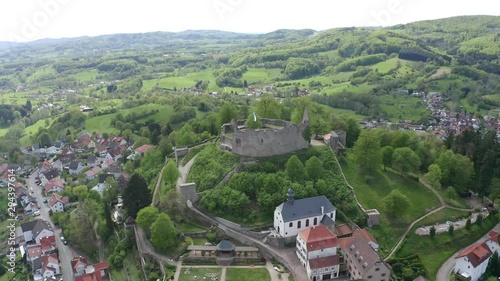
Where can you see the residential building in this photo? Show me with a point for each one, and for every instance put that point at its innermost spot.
(45, 177)
(50, 266)
(293, 216)
(35, 230)
(58, 203)
(75, 167)
(317, 251)
(471, 263)
(361, 257)
(54, 185)
(92, 173)
(48, 244)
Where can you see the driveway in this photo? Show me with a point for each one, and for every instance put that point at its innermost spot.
(66, 254)
(446, 268)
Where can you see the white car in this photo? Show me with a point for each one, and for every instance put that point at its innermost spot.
(36, 213)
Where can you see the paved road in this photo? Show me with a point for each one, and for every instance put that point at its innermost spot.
(66, 254)
(447, 267)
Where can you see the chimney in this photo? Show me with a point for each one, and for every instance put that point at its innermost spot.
(322, 210)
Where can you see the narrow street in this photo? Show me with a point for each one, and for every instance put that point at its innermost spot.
(66, 254)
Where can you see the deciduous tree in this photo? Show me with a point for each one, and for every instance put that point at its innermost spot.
(163, 235)
(314, 168)
(146, 216)
(396, 203)
(387, 152)
(405, 160)
(367, 153)
(295, 169)
(170, 173)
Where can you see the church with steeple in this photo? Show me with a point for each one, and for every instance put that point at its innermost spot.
(294, 216)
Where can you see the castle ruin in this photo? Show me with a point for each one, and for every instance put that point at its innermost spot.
(276, 137)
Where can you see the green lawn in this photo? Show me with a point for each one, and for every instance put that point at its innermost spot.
(371, 197)
(199, 241)
(14, 98)
(103, 123)
(442, 217)
(188, 228)
(198, 273)
(339, 112)
(385, 66)
(85, 76)
(247, 274)
(259, 76)
(405, 107)
(435, 251)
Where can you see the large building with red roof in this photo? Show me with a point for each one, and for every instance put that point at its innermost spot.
(317, 251)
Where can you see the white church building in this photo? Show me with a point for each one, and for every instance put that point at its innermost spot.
(293, 216)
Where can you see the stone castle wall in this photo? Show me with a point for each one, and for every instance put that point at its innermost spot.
(265, 141)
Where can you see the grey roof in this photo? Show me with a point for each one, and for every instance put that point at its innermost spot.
(327, 221)
(91, 159)
(225, 245)
(74, 165)
(40, 226)
(36, 264)
(51, 174)
(104, 177)
(27, 226)
(305, 208)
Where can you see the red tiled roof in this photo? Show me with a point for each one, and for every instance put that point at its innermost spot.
(324, 262)
(34, 251)
(48, 242)
(343, 230)
(77, 262)
(101, 266)
(144, 148)
(53, 182)
(476, 254)
(318, 237)
(494, 236)
(58, 198)
(93, 171)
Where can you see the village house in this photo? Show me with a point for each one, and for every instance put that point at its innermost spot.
(33, 252)
(101, 185)
(35, 230)
(50, 266)
(83, 270)
(75, 167)
(361, 257)
(45, 177)
(48, 244)
(293, 216)
(471, 263)
(58, 203)
(92, 173)
(316, 248)
(54, 185)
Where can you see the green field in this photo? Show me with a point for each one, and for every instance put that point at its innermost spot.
(493, 97)
(189, 228)
(247, 274)
(433, 252)
(14, 98)
(443, 216)
(371, 197)
(385, 66)
(189, 273)
(339, 112)
(405, 107)
(103, 123)
(85, 76)
(259, 76)
(41, 73)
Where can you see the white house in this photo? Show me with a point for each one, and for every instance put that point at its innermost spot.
(58, 203)
(50, 265)
(293, 216)
(471, 264)
(317, 251)
(92, 173)
(54, 185)
(75, 167)
(35, 230)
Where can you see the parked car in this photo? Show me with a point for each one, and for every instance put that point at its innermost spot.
(65, 242)
(36, 213)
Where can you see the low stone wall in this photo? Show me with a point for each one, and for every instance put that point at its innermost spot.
(196, 234)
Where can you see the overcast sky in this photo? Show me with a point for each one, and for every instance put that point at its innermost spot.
(27, 20)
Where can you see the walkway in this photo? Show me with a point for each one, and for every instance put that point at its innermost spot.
(443, 206)
(446, 268)
(269, 266)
